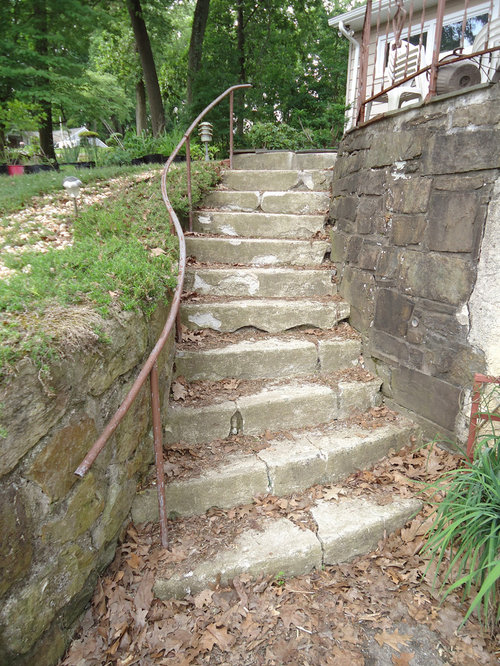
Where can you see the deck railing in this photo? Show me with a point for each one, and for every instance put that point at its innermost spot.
(150, 368)
(412, 50)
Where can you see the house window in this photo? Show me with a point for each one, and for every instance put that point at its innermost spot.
(452, 33)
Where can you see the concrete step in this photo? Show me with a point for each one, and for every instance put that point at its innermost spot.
(257, 225)
(282, 159)
(275, 407)
(260, 282)
(257, 251)
(295, 202)
(267, 358)
(277, 180)
(345, 529)
(286, 466)
(270, 315)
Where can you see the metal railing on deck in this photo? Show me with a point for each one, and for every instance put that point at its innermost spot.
(150, 368)
(398, 38)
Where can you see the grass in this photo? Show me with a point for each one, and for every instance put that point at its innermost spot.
(17, 191)
(464, 540)
(123, 256)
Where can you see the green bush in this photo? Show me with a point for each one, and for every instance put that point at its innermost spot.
(466, 528)
(271, 136)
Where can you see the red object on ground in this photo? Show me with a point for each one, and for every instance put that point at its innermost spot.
(15, 169)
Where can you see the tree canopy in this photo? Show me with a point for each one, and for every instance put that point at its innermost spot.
(80, 61)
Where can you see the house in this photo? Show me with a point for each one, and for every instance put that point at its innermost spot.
(418, 49)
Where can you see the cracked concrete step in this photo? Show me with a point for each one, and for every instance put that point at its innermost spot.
(295, 202)
(285, 160)
(267, 315)
(260, 282)
(257, 251)
(277, 180)
(288, 465)
(268, 358)
(350, 527)
(259, 225)
(273, 408)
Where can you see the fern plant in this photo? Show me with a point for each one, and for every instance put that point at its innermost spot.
(464, 539)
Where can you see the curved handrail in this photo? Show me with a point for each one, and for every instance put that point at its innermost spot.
(150, 367)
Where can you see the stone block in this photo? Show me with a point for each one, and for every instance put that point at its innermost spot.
(409, 195)
(253, 180)
(390, 147)
(292, 468)
(16, 550)
(26, 615)
(338, 354)
(355, 526)
(436, 400)
(371, 181)
(477, 150)
(392, 312)
(319, 160)
(301, 203)
(338, 252)
(358, 396)
(394, 350)
(262, 225)
(408, 229)
(437, 277)
(451, 221)
(257, 251)
(53, 469)
(368, 256)
(128, 337)
(388, 264)
(276, 159)
(354, 245)
(135, 424)
(369, 213)
(28, 413)
(83, 508)
(257, 359)
(199, 424)
(478, 115)
(345, 208)
(229, 200)
(273, 547)
(294, 406)
(118, 502)
(461, 183)
(358, 288)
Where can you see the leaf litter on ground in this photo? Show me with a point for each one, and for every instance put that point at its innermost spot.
(325, 617)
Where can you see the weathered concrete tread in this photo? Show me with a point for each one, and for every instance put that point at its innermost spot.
(268, 358)
(292, 464)
(345, 529)
(257, 224)
(274, 407)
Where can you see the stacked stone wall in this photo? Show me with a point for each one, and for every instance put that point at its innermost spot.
(57, 531)
(412, 194)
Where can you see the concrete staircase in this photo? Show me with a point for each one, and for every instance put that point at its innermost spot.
(280, 375)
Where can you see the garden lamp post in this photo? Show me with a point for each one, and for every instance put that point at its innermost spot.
(72, 186)
(206, 131)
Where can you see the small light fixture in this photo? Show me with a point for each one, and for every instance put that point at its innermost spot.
(72, 186)
(206, 132)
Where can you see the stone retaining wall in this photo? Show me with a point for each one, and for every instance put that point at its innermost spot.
(414, 195)
(57, 532)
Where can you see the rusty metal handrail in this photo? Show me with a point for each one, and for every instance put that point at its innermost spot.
(150, 368)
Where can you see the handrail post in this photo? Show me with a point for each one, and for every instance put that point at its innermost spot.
(437, 49)
(363, 64)
(231, 120)
(158, 445)
(188, 176)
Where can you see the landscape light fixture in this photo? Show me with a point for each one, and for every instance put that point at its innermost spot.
(206, 132)
(72, 186)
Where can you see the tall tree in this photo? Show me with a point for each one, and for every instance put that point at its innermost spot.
(148, 66)
(196, 44)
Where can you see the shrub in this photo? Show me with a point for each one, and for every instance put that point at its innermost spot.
(466, 528)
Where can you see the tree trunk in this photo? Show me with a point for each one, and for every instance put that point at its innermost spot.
(42, 47)
(196, 44)
(148, 66)
(140, 108)
(240, 33)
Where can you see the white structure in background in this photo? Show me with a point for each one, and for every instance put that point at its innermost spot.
(71, 138)
(421, 19)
